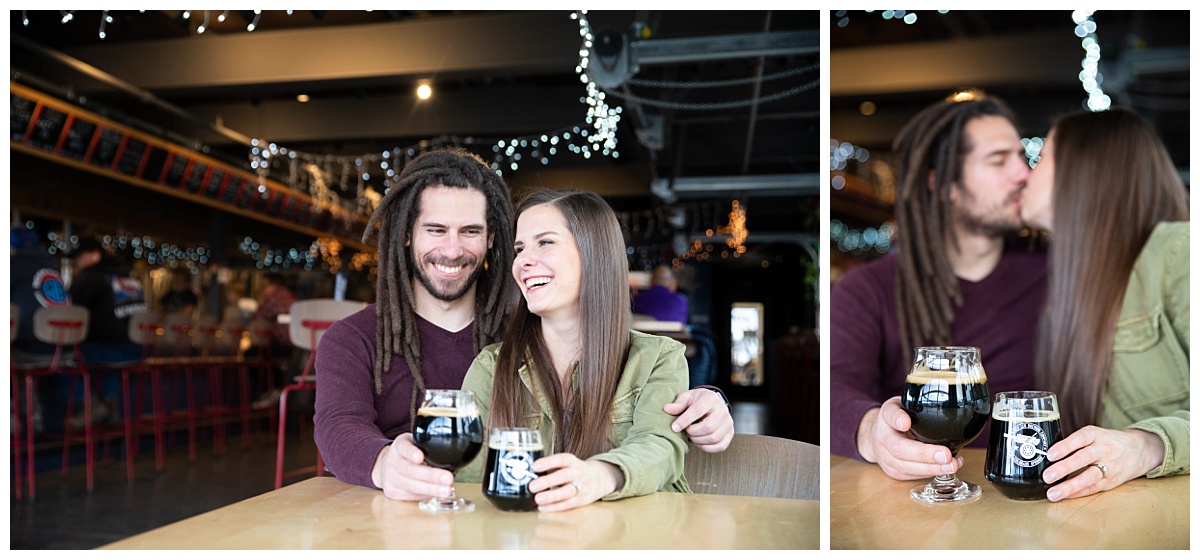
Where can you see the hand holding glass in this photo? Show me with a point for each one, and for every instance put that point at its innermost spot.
(449, 432)
(946, 397)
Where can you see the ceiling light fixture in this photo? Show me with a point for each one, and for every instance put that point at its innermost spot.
(303, 98)
(424, 91)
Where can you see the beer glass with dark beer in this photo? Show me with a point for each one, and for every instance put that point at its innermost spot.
(449, 432)
(509, 467)
(946, 397)
(1024, 426)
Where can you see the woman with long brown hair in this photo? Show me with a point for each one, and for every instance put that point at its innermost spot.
(571, 367)
(1114, 341)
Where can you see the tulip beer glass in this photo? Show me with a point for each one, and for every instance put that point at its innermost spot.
(1024, 426)
(449, 432)
(946, 396)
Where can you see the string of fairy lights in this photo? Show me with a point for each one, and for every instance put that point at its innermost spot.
(354, 182)
(325, 177)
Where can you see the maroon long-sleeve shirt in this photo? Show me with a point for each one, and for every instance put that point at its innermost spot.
(352, 423)
(868, 366)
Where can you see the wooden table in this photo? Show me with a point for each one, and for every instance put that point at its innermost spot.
(867, 509)
(324, 513)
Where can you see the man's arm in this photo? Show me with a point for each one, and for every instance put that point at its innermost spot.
(344, 420)
(861, 321)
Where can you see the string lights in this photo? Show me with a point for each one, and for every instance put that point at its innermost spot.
(1090, 76)
(907, 16)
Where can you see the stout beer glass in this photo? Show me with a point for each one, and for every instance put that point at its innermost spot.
(450, 434)
(1024, 426)
(946, 396)
(509, 468)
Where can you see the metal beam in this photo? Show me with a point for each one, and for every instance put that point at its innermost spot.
(692, 49)
(798, 184)
(428, 47)
(1034, 59)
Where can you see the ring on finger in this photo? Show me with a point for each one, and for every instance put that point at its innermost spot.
(576, 488)
(1103, 469)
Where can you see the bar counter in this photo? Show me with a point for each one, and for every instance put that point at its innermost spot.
(869, 510)
(324, 513)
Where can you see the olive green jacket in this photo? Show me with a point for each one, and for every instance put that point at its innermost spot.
(642, 443)
(1149, 387)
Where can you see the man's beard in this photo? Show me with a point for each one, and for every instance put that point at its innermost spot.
(454, 291)
(990, 221)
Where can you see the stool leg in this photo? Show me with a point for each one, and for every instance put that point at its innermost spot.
(130, 446)
(189, 391)
(30, 473)
(88, 434)
(244, 383)
(159, 407)
(279, 445)
(14, 407)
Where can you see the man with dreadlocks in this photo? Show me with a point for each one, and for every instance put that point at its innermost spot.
(958, 278)
(443, 293)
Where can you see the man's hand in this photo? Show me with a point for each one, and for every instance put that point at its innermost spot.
(703, 414)
(883, 438)
(401, 473)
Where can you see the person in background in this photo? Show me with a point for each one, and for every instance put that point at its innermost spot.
(958, 278)
(275, 298)
(443, 293)
(111, 295)
(34, 283)
(179, 299)
(662, 300)
(1115, 338)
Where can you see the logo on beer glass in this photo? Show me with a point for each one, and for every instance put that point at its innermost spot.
(516, 467)
(1027, 444)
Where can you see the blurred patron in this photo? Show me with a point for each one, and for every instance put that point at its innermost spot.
(662, 300)
(179, 299)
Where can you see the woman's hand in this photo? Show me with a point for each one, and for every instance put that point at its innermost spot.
(1125, 454)
(568, 482)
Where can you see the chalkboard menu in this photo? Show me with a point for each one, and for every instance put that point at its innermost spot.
(178, 165)
(21, 115)
(216, 181)
(195, 178)
(61, 130)
(154, 164)
(106, 148)
(233, 190)
(131, 156)
(79, 139)
(47, 129)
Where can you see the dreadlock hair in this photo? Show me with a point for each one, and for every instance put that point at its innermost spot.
(929, 152)
(604, 319)
(1114, 182)
(395, 323)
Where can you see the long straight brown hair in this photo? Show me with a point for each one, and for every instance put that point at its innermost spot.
(604, 329)
(1113, 183)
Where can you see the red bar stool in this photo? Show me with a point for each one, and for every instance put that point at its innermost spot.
(145, 329)
(17, 441)
(308, 321)
(64, 327)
